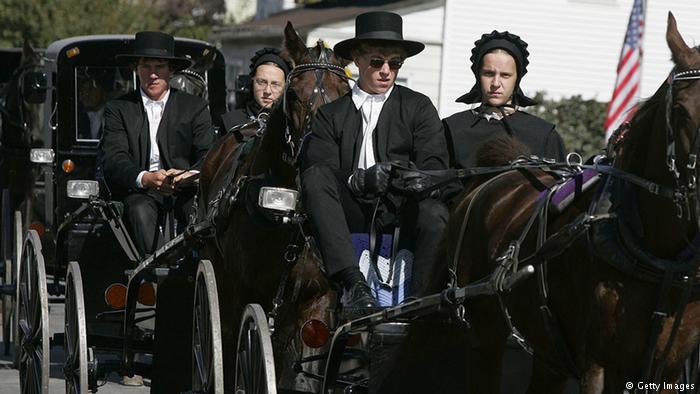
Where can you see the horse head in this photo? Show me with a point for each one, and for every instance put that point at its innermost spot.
(192, 80)
(318, 77)
(662, 146)
(23, 96)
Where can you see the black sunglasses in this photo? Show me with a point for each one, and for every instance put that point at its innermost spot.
(378, 62)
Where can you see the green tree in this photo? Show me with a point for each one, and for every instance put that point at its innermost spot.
(44, 21)
(578, 121)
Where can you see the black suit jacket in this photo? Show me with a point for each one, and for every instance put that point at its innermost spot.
(184, 136)
(408, 129)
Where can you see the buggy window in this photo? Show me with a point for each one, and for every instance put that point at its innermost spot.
(94, 86)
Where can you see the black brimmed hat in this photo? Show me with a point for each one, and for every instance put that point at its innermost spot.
(156, 45)
(512, 44)
(378, 27)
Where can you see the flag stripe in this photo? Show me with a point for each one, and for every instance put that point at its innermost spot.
(629, 72)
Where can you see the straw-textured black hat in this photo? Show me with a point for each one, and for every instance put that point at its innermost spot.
(378, 27)
(512, 44)
(156, 45)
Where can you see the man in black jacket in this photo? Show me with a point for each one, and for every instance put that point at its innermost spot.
(346, 160)
(154, 138)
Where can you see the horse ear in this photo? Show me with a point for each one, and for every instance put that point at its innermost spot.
(674, 39)
(205, 62)
(294, 45)
(341, 60)
(27, 51)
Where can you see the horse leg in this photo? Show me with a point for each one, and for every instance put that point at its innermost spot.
(485, 360)
(545, 380)
(593, 380)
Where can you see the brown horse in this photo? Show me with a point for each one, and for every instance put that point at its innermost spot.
(248, 250)
(603, 285)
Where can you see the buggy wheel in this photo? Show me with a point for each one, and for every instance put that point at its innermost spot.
(255, 364)
(75, 367)
(32, 318)
(7, 259)
(207, 356)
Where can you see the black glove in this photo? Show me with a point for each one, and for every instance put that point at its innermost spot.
(372, 181)
(414, 182)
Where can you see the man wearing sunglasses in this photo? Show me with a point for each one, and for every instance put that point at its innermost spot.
(348, 181)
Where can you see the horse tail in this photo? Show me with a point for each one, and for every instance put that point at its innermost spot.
(500, 151)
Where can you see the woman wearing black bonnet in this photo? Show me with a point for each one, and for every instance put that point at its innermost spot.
(499, 62)
(268, 72)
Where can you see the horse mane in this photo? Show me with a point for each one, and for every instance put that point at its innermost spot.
(499, 151)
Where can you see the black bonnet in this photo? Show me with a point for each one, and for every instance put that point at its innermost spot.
(269, 55)
(512, 44)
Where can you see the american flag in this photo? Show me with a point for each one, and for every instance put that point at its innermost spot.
(629, 72)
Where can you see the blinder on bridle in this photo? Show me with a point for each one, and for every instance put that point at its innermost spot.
(319, 67)
(683, 194)
(31, 88)
(190, 82)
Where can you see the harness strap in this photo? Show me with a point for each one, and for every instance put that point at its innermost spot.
(680, 309)
(657, 319)
(291, 256)
(463, 229)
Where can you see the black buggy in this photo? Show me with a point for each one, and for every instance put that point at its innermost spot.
(76, 245)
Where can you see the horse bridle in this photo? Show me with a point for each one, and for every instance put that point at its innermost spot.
(683, 194)
(319, 67)
(19, 73)
(197, 79)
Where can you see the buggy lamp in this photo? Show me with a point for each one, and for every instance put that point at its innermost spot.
(41, 156)
(82, 189)
(115, 295)
(315, 333)
(147, 294)
(278, 199)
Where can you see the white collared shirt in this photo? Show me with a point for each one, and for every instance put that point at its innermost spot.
(371, 107)
(154, 112)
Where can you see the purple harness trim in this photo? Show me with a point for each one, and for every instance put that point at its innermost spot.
(573, 186)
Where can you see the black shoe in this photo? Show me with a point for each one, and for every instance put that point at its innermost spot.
(360, 296)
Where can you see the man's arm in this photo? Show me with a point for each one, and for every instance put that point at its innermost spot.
(202, 134)
(430, 147)
(320, 146)
(120, 167)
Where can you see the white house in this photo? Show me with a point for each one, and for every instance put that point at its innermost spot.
(574, 44)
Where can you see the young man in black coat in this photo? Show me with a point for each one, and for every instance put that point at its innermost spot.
(154, 138)
(345, 161)
(499, 62)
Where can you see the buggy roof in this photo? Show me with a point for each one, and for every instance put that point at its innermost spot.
(108, 45)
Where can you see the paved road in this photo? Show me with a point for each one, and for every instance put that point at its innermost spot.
(515, 374)
(9, 377)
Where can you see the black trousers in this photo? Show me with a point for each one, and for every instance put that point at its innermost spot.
(145, 211)
(335, 213)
